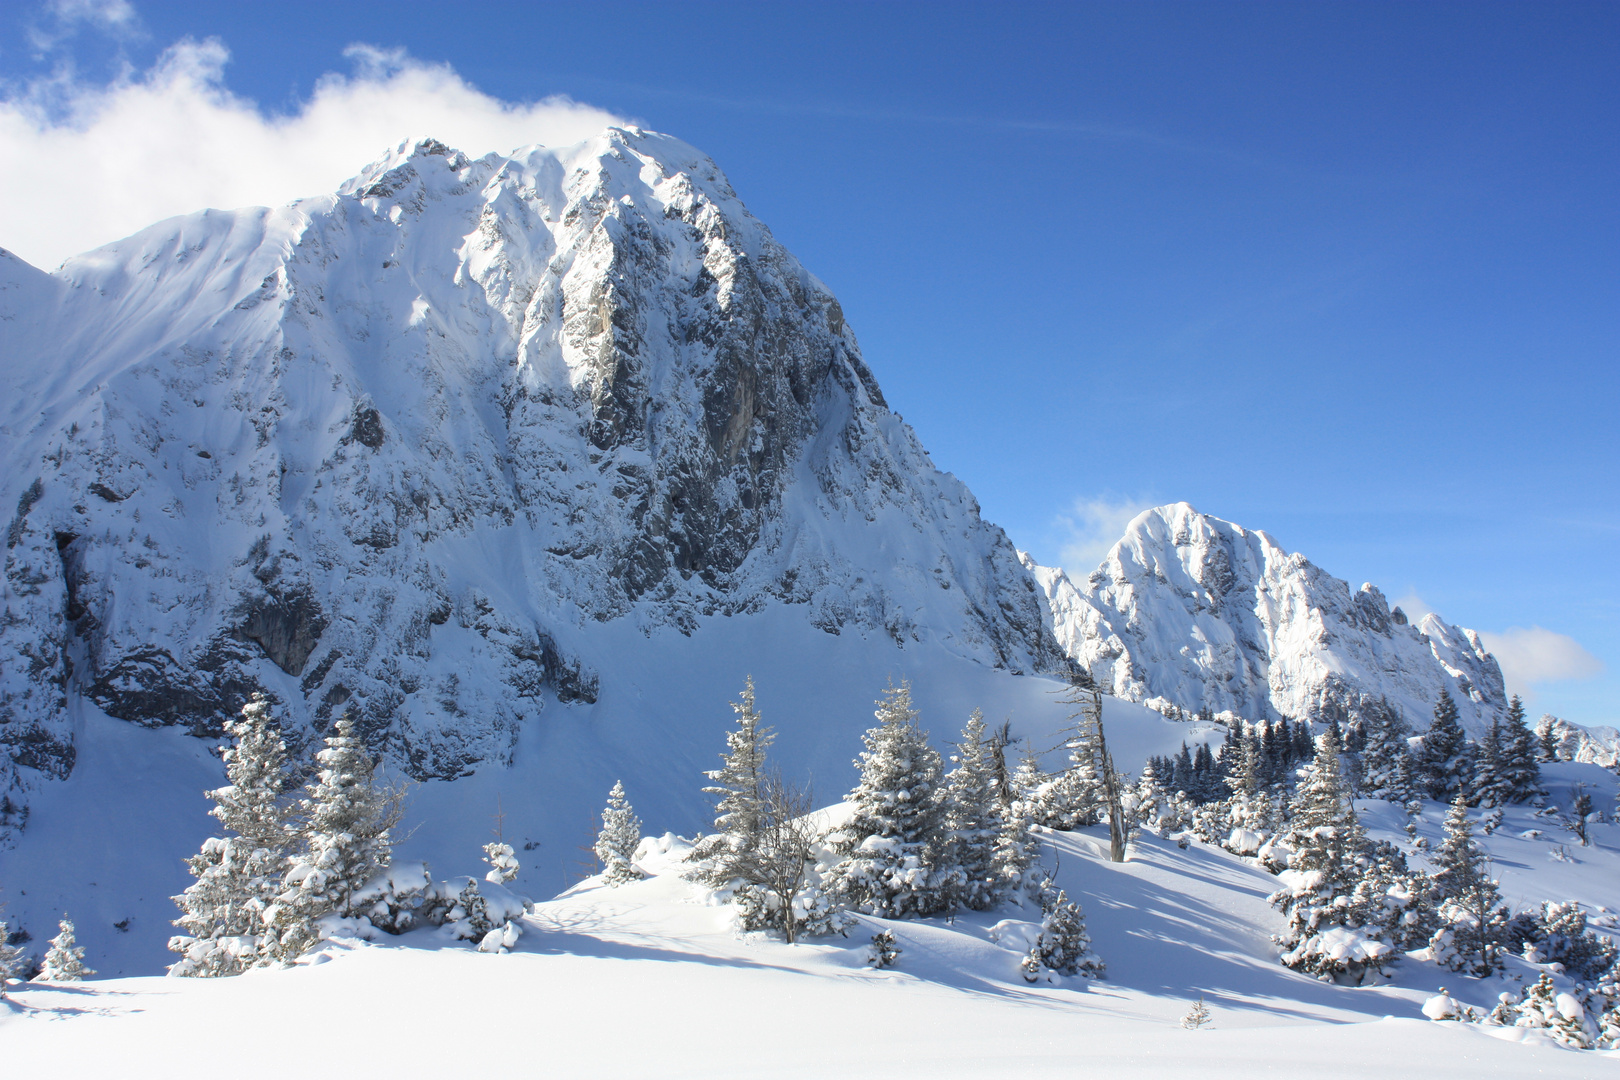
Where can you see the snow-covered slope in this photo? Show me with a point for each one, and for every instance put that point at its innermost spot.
(654, 979)
(1194, 611)
(406, 449)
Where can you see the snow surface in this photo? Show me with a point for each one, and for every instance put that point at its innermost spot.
(653, 979)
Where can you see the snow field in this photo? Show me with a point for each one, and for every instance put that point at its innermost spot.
(652, 979)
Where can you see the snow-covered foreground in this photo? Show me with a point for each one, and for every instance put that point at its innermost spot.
(652, 979)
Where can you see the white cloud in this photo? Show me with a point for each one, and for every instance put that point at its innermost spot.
(1091, 527)
(1534, 655)
(88, 164)
(1413, 606)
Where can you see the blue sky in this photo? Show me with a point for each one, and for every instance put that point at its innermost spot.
(1350, 274)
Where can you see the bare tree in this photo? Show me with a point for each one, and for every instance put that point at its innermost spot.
(785, 847)
(1087, 695)
(999, 740)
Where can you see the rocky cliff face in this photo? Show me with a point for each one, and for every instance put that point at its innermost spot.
(1194, 611)
(397, 450)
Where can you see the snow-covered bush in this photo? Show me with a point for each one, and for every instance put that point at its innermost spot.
(503, 863)
(1560, 1015)
(883, 950)
(1558, 934)
(1063, 946)
(397, 900)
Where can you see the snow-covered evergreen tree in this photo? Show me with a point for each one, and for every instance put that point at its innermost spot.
(238, 875)
(1520, 767)
(620, 836)
(1547, 742)
(1488, 785)
(973, 821)
(11, 957)
(1561, 937)
(1326, 936)
(1207, 777)
(1473, 922)
(1443, 760)
(883, 950)
(65, 960)
(346, 822)
(739, 786)
(892, 843)
(1063, 945)
(1017, 850)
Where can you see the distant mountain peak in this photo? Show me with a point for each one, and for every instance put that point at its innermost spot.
(1193, 611)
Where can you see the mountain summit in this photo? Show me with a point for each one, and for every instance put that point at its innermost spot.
(398, 450)
(1195, 612)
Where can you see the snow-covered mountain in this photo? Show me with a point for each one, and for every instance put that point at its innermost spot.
(405, 449)
(1193, 611)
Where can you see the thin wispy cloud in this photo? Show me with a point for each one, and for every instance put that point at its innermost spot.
(1532, 656)
(92, 162)
(1091, 527)
(60, 20)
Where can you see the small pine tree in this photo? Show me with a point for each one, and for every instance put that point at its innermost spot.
(65, 960)
(1490, 786)
(1063, 945)
(1521, 773)
(739, 786)
(347, 819)
(11, 957)
(1539, 1010)
(1547, 737)
(1442, 763)
(238, 875)
(617, 842)
(1197, 1016)
(1325, 936)
(883, 951)
(1473, 922)
(892, 844)
(973, 820)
